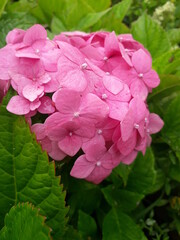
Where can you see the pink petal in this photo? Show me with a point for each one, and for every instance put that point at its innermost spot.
(141, 61)
(74, 80)
(32, 92)
(118, 110)
(46, 106)
(98, 174)
(82, 168)
(128, 146)
(130, 158)
(67, 101)
(18, 105)
(111, 44)
(95, 151)
(151, 79)
(39, 130)
(70, 145)
(139, 108)
(138, 89)
(56, 153)
(112, 84)
(155, 123)
(36, 32)
(127, 125)
(93, 108)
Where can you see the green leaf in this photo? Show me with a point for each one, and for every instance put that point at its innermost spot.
(118, 225)
(112, 20)
(174, 172)
(143, 174)
(159, 181)
(86, 225)
(90, 19)
(57, 26)
(72, 233)
(170, 84)
(171, 130)
(11, 21)
(123, 171)
(123, 199)
(26, 174)
(24, 222)
(168, 63)
(2, 6)
(151, 35)
(174, 35)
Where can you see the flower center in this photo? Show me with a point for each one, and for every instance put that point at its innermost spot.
(98, 164)
(99, 131)
(104, 96)
(84, 66)
(70, 134)
(76, 114)
(140, 75)
(37, 50)
(136, 125)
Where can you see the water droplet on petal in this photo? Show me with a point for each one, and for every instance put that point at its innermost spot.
(105, 58)
(70, 134)
(145, 120)
(148, 130)
(107, 73)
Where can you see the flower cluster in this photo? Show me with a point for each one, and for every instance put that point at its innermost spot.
(93, 90)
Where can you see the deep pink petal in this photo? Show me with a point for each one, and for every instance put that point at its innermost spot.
(139, 108)
(56, 153)
(39, 130)
(130, 158)
(98, 174)
(128, 146)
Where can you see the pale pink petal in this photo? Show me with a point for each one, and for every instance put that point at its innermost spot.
(112, 84)
(127, 125)
(15, 36)
(93, 108)
(32, 92)
(82, 168)
(118, 110)
(151, 79)
(67, 101)
(74, 80)
(138, 89)
(139, 108)
(34, 105)
(141, 61)
(36, 32)
(70, 144)
(18, 105)
(155, 123)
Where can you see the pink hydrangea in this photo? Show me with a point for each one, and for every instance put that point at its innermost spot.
(92, 89)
